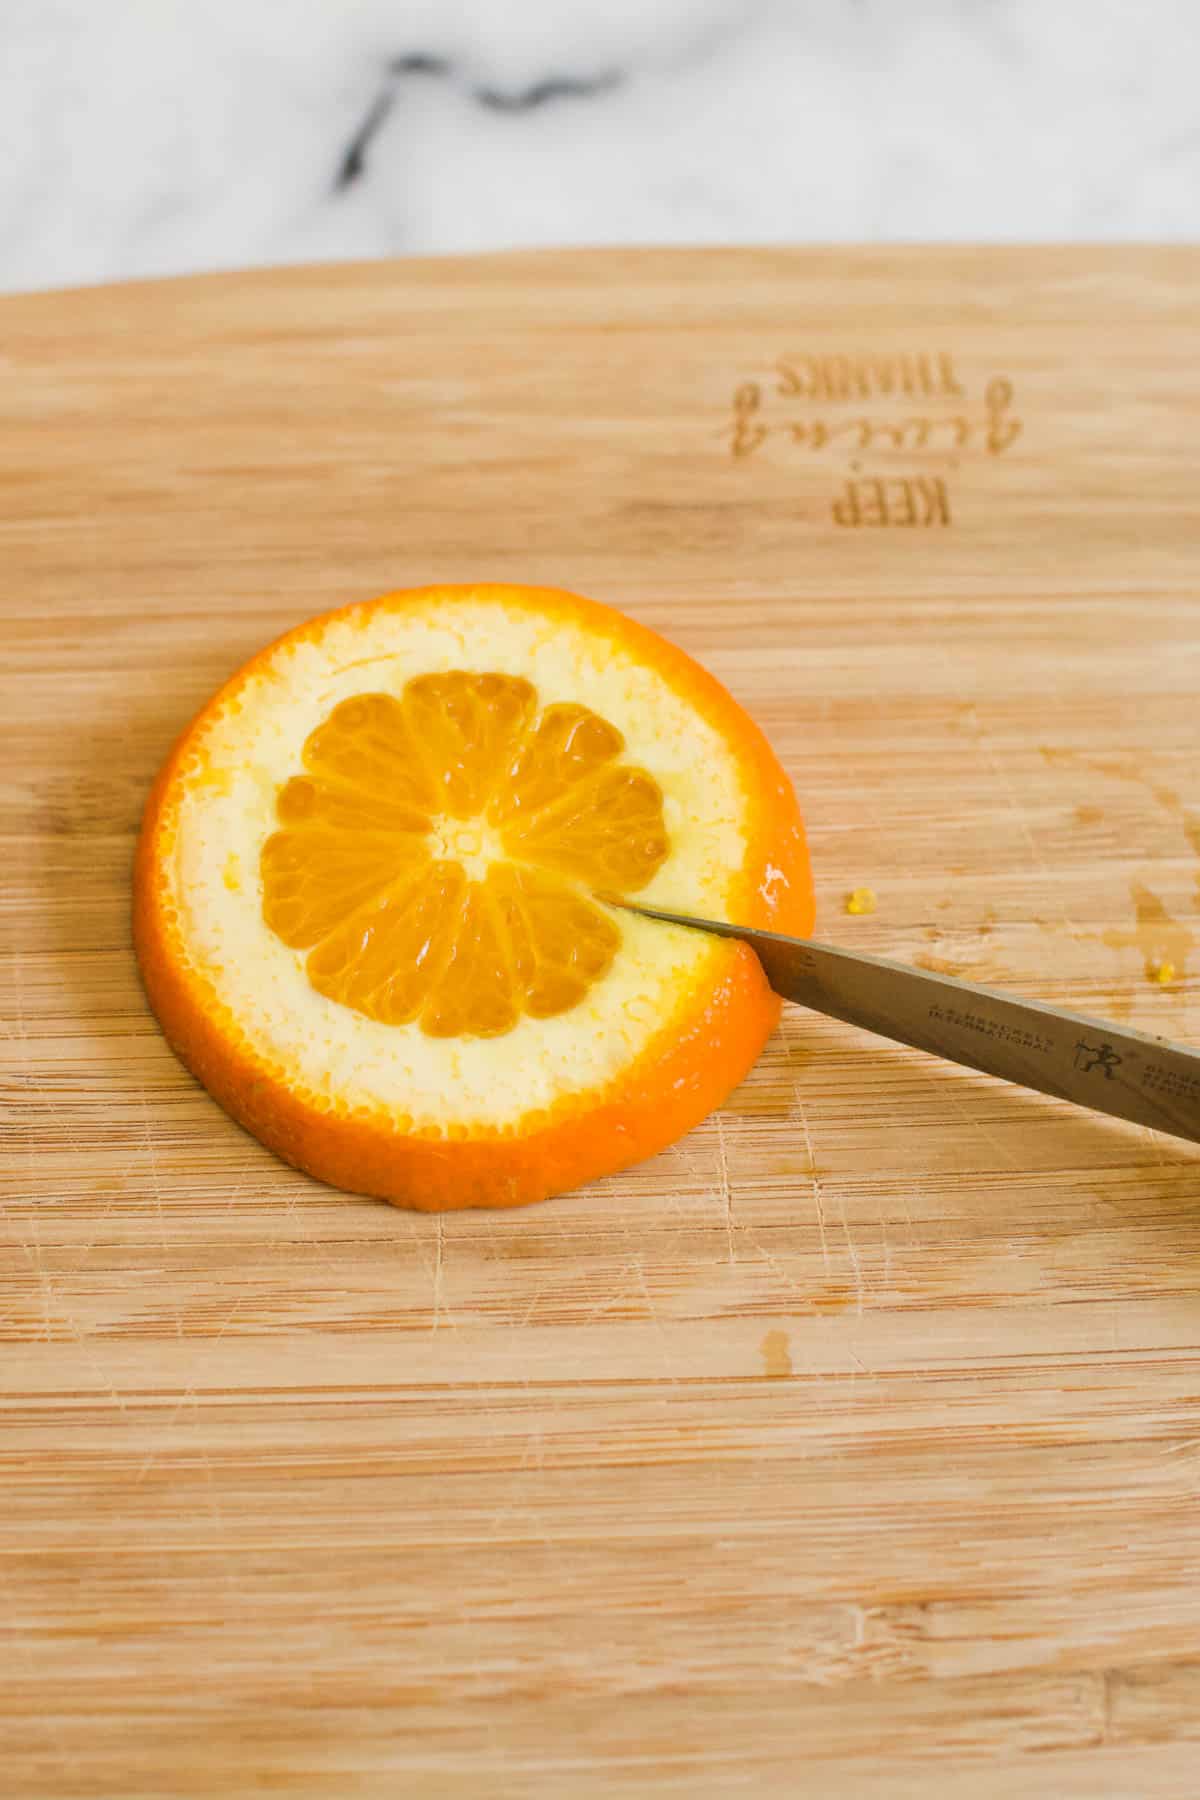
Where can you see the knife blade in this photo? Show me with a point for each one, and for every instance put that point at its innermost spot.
(1091, 1062)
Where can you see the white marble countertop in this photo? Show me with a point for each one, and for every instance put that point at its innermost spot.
(146, 137)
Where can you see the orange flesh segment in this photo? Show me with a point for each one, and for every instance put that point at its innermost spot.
(398, 936)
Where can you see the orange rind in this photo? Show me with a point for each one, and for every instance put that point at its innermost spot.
(366, 894)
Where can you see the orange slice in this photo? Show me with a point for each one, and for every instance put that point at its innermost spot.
(366, 907)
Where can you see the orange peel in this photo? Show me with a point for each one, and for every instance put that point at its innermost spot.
(365, 894)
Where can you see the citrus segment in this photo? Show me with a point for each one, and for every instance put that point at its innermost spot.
(419, 995)
(302, 801)
(608, 832)
(366, 745)
(559, 942)
(310, 887)
(569, 743)
(466, 725)
(387, 958)
(477, 995)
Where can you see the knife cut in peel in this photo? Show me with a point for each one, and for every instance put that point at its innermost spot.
(365, 910)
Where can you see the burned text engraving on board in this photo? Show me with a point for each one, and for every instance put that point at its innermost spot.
(894, 429)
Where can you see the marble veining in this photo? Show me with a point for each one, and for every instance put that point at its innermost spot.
(154, 136)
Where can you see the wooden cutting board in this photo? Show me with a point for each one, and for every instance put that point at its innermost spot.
(853, 1446)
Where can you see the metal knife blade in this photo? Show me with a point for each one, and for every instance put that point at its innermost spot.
(1091, 1062)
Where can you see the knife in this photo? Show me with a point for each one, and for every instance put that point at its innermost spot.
(1091, 1062)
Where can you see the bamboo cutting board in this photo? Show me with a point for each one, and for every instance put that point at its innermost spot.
(852, 1447)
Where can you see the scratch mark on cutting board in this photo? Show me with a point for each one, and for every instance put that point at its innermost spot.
(996, 768)
(656, 1321)
(534, 1301)
(887, 1248)
(620, 1292)
(19, 1031)
(419, 1231)
(190, 1396)
(726, 1189)
(80, 1340)
(31, 1246)
(1186, 1447)
(217, 1516)
(156, 1194)
(985, 1132)
(804, 1295)
(438, 1270)
(813, 1175)
(56, 1314)
(854, 1262)
(31, 1249)
(1153, 1145)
